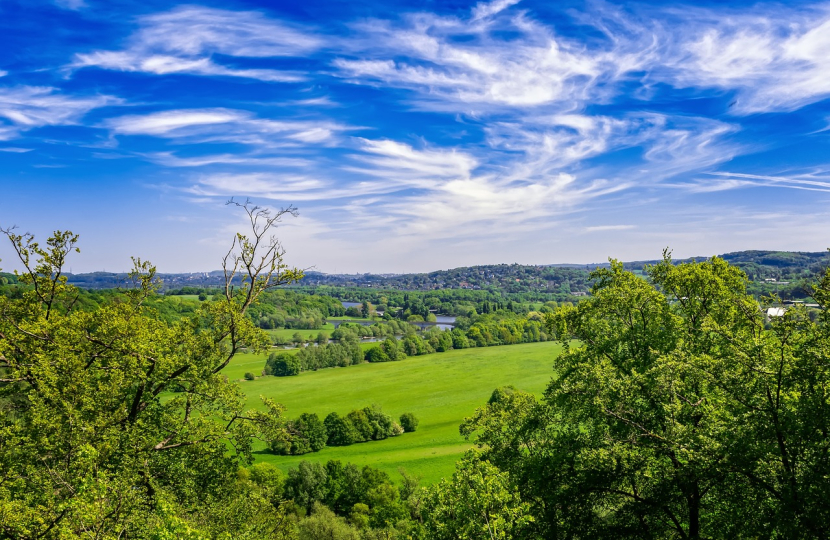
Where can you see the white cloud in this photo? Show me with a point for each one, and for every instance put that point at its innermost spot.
(184, 39)
(166, 122)
(487, 9)
(394, 160)
(168, 159)
(776, 59)
(535, 67)
(722, 180)
(27, 107)
(227, 125)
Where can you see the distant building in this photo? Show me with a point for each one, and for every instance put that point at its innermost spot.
(776, 312)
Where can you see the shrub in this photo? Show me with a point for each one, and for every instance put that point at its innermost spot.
(408, 422)
(250, 376)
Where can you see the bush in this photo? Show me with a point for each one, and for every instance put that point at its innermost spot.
(250, 376)
(408, 422)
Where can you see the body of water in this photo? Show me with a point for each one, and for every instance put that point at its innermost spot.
(445, 322)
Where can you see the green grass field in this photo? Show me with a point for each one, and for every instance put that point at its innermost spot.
(441, 389)
(288, 333)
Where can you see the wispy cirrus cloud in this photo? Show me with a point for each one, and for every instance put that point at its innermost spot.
(169, 159)
(774, 58)
(185, 40)
(27, 107)
(535, 68)
(226, 125)
(724, 180)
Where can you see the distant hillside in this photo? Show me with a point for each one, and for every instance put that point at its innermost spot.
(781, 271)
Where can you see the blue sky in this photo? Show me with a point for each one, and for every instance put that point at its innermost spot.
(416, 136)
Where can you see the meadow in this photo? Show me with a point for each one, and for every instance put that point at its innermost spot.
(441, 389)
(288, 333)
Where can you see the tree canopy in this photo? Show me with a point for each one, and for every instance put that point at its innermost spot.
(114, 423)
(678, 410)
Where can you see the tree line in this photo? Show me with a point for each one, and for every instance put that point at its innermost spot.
(308, 433)
(500, 328)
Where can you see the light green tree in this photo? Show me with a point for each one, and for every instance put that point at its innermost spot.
(479, 502)
(114, 423)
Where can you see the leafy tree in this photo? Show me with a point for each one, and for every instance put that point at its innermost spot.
(678, 412)
(249, 376)
(381, 423)
(479, 502)
(408, 422)
(87, 444)
(340, 431)
(392, 349)
(305, 434)
(282, 364)
(376, 354)
(323, 524)
(306, 484)
(387, 506)
(361, 424)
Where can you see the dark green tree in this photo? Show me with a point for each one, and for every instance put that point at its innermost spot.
(340, 431)
(282, 364)
(409, 422)
(676, 411)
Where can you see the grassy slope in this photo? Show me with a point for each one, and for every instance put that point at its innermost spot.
(441, 389)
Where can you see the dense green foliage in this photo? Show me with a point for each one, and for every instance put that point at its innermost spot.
(409, 422)
(678, 409)
(308, 434)
(116, 423)
(282, 365)
(683, 413)
(499, 328)
(346, 502)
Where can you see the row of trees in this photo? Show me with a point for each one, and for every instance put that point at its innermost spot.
(308, 434)
(501, 328)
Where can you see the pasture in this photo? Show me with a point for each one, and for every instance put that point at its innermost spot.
(440, 389)
(288, 333)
